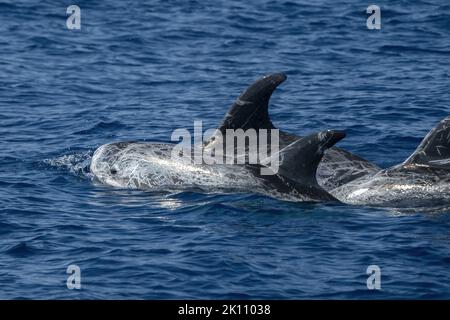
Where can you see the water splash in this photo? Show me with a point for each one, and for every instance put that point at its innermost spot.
(76, 163)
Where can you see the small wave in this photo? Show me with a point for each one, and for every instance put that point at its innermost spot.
(101, 127)
(7, 6)
(6, 228)
(433, 209)
(20, 250)
(409, 49)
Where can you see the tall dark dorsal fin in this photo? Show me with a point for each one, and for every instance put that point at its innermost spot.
(251, 109)
(299, 160)
(434, 150)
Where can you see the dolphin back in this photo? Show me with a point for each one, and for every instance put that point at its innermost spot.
(299, 160)
(434, 150)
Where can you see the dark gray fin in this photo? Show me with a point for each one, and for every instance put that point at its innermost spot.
(434, 150)
(251, 109)
(299, 160)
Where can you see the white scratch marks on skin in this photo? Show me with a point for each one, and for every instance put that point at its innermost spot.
(438, 149)
(358, 192)
(399, 186)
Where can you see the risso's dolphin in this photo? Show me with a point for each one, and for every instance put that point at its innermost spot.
(251, 110)
(300, 176)
(151, 166)
(422, 180)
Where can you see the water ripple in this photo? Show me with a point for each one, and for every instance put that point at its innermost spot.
(137, 72)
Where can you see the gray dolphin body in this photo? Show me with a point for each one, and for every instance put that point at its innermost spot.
(302, 176)
(422, 180)
(251, 111)
(150, 166)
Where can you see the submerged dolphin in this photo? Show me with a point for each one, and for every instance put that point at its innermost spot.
(301, 175)
(423, 179)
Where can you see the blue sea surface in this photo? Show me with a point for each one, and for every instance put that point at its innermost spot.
(137, 70)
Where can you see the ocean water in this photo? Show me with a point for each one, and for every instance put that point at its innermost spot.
(139, 70)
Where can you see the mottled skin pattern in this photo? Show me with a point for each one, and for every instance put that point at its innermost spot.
(251, 111)
(399, 186)
(338, 166)
(434, 150)
(149, 166)
(422, 180)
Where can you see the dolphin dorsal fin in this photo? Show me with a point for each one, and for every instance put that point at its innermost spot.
(299, 160)
(251, 109)
(434, 150)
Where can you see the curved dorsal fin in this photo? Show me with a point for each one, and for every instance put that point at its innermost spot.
(434, 150)
(299, 160)
(251, 109)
